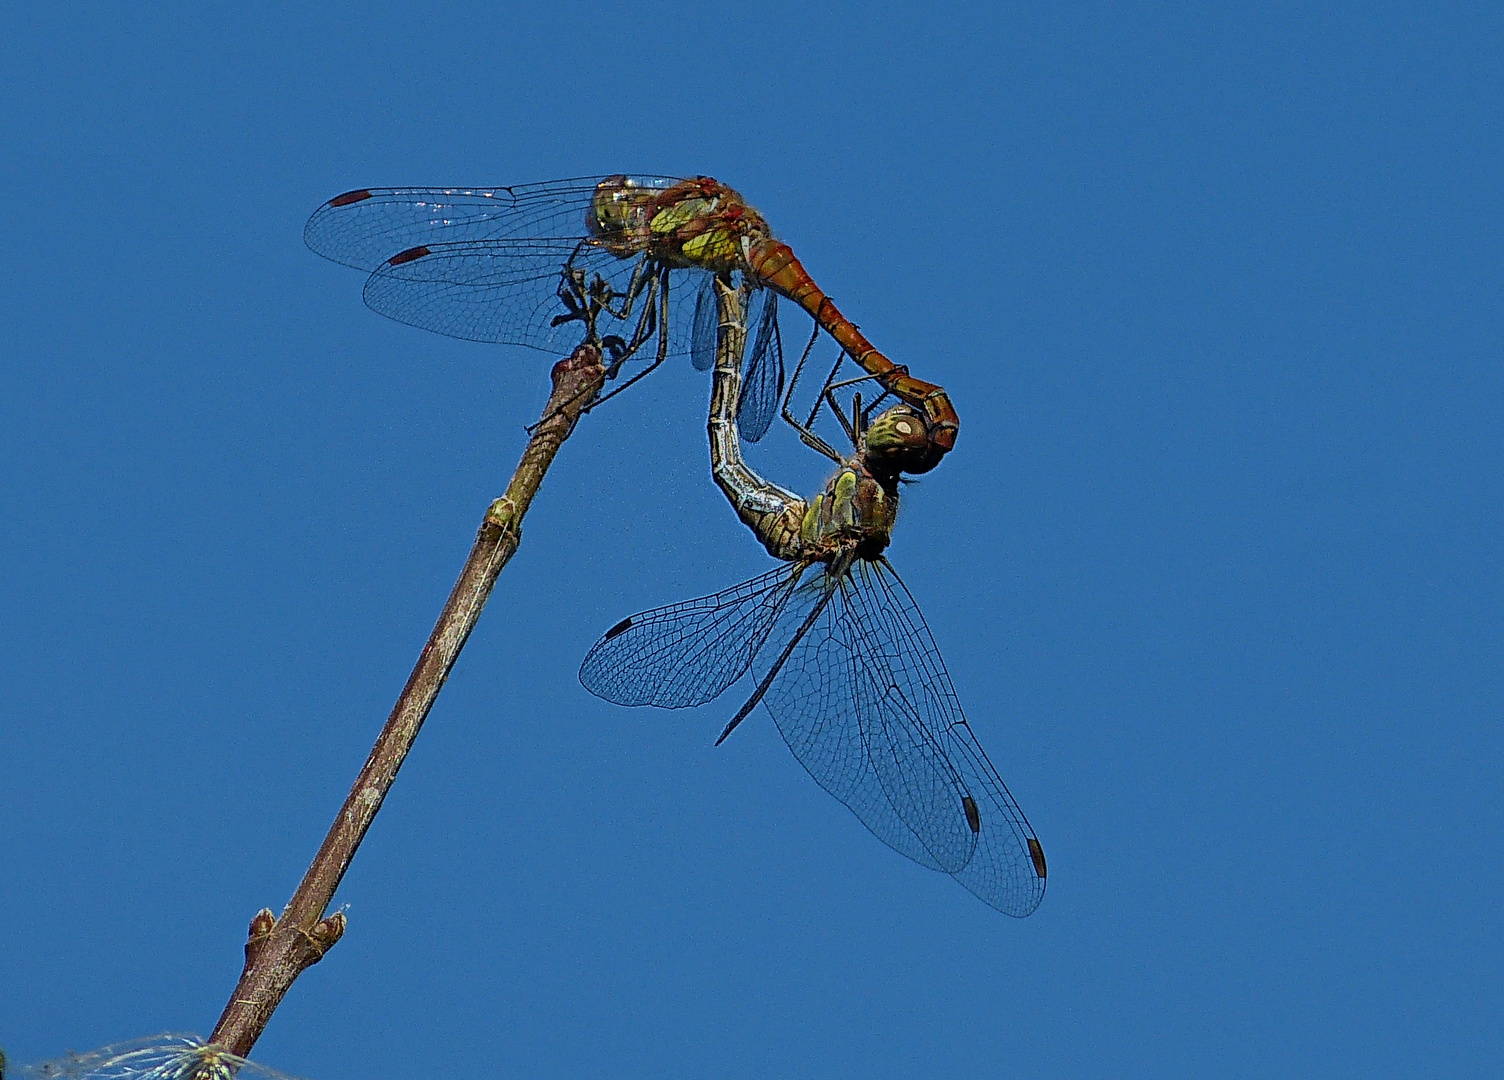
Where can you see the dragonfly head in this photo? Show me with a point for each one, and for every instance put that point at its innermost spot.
(619, 214)
(897, 441)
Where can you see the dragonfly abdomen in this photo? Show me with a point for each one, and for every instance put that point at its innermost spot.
(776, 266)
(774, 514)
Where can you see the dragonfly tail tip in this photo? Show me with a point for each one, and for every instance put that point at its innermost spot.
(729, 729)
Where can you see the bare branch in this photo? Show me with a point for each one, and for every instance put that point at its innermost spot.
(277, 951)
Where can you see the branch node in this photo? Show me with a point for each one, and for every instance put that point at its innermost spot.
(307, 947)
(503, 511)
(323, 936)
(261, 929)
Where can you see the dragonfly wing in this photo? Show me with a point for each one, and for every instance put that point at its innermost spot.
(844, 730)
(707, 321)
(507, 292)
(762, 380)
(366, 227)
(489, 290)
(685, 289)
(1007, 868)
(688, 653)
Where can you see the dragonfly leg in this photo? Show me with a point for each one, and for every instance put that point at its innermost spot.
(641, 276)
(788, 397)
(581, 305)
(872, 407)
(662, 328)
(860, 417)
(835, 408)
(806, 434)
(647, 323)
(621, 351)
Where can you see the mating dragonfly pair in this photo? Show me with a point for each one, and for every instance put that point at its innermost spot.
(649, 267)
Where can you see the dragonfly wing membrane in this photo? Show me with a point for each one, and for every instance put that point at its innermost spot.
(688, 653)
(364, 228)
(908, 759)
(762, 381)
(706, 326)
(822, 704)
(1007, 868)
(503, 291)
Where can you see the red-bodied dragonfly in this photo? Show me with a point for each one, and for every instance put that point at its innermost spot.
(635, 255)
(842, 657)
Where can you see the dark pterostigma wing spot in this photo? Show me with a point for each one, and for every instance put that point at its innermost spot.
(350, 197)
(619, 628)
(687, 653)
(834, 704)
(1037, 854)
(410, 255)
(905, 759)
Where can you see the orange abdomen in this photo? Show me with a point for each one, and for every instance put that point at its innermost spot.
(776, 266)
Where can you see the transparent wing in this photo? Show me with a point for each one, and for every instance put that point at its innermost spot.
(364, 228)
(706, 325)
(843, 725)
(507, 291)
(688, 653)
(501, 291)
(762, 377)
(863, 700)
(896, 649)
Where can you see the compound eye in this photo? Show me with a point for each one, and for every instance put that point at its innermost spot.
(898, 441)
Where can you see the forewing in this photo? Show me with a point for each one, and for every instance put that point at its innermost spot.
(1007, 868)
(857, 747)
(687, 653)
(364, 228)
(762, 378)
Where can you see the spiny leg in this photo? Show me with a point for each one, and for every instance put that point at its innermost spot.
(663, 331)
(806, 435)
(643, 273)
(647, 325)
(788, 396)
(859, 418)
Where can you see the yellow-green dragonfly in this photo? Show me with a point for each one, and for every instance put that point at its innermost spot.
(839, 652)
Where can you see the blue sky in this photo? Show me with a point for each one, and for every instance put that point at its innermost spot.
(1215, 565)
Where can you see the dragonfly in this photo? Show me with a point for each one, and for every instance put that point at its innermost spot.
(840, 654)
(631, 260)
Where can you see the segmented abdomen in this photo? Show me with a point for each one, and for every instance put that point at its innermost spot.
(776, 266)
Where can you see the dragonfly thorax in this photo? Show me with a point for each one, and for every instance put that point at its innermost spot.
(697, 224)
(856, 509)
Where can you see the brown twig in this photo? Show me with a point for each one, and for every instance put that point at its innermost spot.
(277, 951)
